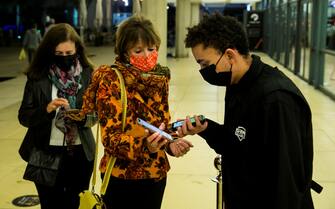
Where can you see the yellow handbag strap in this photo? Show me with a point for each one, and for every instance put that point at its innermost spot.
(112, 159)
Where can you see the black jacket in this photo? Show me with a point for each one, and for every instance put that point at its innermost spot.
(33, 115)
(266, 142)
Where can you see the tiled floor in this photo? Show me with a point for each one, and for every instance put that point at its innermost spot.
(189, 182)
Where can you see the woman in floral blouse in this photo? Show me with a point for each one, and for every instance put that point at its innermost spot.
(139, 175)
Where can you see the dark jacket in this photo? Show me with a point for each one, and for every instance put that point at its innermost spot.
(33, 115)
(266, 142)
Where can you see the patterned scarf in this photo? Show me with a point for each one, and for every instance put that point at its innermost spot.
(152, 86)
(146, 83)
(68, 85)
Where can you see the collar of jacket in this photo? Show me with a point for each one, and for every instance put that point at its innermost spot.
(250, 76)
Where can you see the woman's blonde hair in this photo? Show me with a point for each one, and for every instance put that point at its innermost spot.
(131, 31)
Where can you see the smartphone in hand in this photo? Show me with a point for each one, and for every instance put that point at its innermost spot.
(154, 129)
(174, 126)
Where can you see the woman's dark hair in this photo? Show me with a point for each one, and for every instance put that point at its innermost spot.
(44, 55)
(220, 32)
(131, 31)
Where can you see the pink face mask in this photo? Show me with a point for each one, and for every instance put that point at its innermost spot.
(144, 63)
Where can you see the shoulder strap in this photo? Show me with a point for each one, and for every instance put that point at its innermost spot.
(96, 157)
(112, 159)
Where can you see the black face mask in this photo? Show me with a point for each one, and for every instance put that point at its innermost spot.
(65, 62)
(218, 79)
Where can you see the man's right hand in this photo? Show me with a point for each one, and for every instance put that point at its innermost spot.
(189, 129)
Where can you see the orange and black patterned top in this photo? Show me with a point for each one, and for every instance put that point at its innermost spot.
(147, 95)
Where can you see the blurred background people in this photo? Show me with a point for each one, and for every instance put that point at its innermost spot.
(48, 25)
(32, 39)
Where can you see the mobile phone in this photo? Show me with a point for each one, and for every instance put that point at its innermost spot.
(174, 126)
(153, 128)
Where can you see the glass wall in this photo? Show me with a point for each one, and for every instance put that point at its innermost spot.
(330, 43)
(282, 39)
(300, 34)
(329, 75)
(329, 66)
(305, 39)
(292, 28)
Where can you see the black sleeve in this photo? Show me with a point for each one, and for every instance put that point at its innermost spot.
(33, 111)
(287, 131)
(214, 135)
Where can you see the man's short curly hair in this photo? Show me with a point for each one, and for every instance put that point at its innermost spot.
(220, 32)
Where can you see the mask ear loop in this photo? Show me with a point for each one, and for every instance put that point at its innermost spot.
(219, 60)
(231, 65)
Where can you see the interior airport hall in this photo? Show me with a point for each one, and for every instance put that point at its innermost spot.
(297, 36)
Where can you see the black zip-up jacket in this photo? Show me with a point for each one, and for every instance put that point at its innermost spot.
(33, 115)
(266, 142)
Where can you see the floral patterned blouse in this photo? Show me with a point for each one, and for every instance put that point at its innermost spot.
(147, 95)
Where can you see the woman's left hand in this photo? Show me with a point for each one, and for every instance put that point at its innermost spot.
(155, 141)
(180, 147)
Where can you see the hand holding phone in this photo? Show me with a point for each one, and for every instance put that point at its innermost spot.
(154, 129)
(156, 142)
(174, 126)
(74, 114)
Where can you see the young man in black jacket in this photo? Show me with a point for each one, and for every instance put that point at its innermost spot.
(266, 140)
